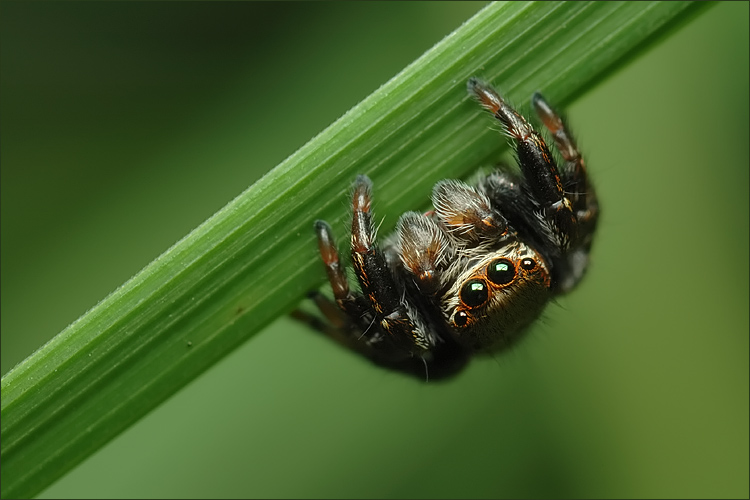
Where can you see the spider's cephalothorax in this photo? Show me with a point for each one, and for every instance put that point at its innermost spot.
(468, 276)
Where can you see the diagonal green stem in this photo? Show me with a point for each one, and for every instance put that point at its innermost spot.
(256, 257)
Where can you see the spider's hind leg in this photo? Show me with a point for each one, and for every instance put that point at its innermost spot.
(347, 317)
(338, 326)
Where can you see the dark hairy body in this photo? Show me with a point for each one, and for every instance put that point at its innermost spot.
(469, 276)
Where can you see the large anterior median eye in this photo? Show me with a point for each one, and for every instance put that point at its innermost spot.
(474, 293)
(501, 271)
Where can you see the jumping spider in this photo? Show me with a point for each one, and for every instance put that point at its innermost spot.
(469, 276)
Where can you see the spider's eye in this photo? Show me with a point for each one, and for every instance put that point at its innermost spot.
(528, 264)
(501, 271)
(474, 293)
(461, 318)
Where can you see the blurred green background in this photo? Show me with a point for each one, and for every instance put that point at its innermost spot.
(125, 125)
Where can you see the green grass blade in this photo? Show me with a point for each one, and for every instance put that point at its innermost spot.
(256, 258)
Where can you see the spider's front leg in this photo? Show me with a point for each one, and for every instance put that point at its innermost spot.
(377, 281)
(536, 162)
(405, 312)
(564, 199)
(380, 322)
(574, 175)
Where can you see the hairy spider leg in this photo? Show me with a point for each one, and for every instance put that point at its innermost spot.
(574, 174)
(349, 321)
(504, 188)
(335, 332)
(388, 337)
(347, 305)
(376, 278)
(330, 256)
(536, 162)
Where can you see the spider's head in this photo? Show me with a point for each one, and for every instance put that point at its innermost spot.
(492, 301)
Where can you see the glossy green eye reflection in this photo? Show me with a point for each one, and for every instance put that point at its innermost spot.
(474, 293)
(501, 271)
